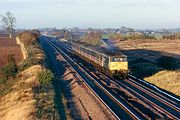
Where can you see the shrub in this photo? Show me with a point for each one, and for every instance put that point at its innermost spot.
(28, 62)
(10, 69)
(28, 37)
(35, 53)
(45, 77)
(2, 80)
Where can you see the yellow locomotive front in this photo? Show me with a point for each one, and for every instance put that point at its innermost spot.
(118, 65)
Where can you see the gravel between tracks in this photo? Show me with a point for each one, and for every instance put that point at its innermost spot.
(87, 104)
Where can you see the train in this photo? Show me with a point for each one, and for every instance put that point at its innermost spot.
(111, 62)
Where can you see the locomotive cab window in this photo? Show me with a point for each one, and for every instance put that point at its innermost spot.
(118, 59)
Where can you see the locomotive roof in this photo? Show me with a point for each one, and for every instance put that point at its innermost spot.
(103, 50)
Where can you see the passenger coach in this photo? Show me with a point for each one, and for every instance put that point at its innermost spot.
(112, 62)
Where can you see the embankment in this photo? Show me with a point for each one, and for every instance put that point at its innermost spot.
(30, 95)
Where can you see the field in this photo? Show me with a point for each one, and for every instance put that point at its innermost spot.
(157, 61)
(151, 47)
(149, 50)
(7, 47)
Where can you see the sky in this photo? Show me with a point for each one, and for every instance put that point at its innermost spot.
(137, 14)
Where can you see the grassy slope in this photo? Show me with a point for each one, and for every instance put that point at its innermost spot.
(18, 101)
(168, 80)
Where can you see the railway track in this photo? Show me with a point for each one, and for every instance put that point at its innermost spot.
(150, 102)
(119, 110)
(174, 109)
(156, 91)
(147, 101)
(174, 106)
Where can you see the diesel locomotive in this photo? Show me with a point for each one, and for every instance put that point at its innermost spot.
(111, 62)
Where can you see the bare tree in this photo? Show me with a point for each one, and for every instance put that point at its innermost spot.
(9, 23)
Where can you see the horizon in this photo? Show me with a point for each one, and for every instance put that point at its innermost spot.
(142, 14)
(2, 29)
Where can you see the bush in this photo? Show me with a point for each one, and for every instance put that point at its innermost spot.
(10, 69)
(30, 61)
(45, 77)
(34, 49)
(2, 80)
(35, 53)
(28, 37)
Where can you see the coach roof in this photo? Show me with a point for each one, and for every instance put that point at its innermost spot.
(103, 50)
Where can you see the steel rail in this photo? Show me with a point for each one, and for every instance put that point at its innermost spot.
(154, 96)
(106, 91)
(147, 91)
(154, 87)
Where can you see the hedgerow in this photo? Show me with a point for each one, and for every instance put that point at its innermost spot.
(10, 69)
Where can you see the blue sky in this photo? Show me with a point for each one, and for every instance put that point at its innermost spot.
(94, 13)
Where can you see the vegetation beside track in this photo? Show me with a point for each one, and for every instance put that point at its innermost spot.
(164, 72)
(29, 89)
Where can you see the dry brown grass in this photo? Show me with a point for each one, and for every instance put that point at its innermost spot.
(168, 80)
(20, 103)
(165, 46)
(9, 46)
(17, 105)
(32, 71)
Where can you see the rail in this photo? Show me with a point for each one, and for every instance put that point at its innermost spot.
(106, 91)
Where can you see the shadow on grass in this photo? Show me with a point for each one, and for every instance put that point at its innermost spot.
(144, 63)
